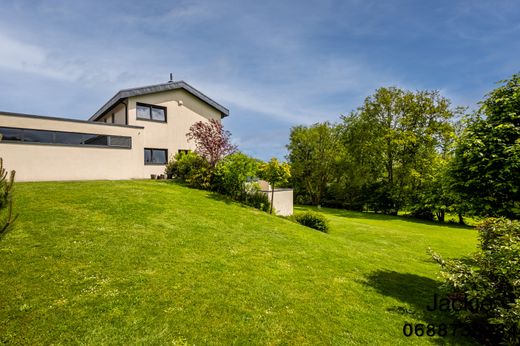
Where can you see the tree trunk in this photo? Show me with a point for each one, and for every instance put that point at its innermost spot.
(461, 219)
(440, 215)
(272, 199)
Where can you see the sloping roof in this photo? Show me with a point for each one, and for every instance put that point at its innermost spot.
(151, 89)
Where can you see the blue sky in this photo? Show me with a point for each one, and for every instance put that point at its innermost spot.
(274, 64)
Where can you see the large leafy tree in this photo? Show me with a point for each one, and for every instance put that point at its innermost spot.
(486, 167)
(313, 155)
(392, 139)
(212, 142)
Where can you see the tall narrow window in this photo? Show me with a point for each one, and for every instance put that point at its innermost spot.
(155, 156)
(151, 112)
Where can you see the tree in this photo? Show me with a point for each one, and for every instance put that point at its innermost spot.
(6, 202)
(393, 138)
(275, 173)
(211, 140)
(313, 155)
(486, 167)
(434, 197)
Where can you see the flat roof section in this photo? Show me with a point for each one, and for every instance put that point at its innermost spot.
(23, 115)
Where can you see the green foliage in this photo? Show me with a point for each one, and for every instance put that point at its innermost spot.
(435, 197)
(6, 198)
(313, 220)
(377, 197)
(192, 169)
(275, 173)
(233, 177)
(391, 141)
(232, 173)
(230, 176)
(313, 155)
(170, 168)
(421, 212)
(492, 275)
(256, 199)
(486, 166)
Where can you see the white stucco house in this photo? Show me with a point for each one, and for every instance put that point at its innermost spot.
(130, 137)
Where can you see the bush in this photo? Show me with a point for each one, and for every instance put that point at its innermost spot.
(257, 199)
(378, 197)
(422, 213)
(313, 220)
(232, 173)
(493, 276)
(6, 202)
(170, 168)
(192, 169)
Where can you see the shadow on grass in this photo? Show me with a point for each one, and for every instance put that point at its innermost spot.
(417, 293)
(381, 217)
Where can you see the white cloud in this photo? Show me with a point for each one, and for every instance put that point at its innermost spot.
(25, 57)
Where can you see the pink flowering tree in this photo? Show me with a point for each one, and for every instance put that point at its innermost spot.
(212, 142)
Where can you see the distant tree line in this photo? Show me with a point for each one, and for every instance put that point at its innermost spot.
(414, 151)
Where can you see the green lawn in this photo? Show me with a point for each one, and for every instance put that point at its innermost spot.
(150, 262)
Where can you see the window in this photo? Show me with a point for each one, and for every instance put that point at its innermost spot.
(120, 141)
(184, 151)
(151, 112)
(155, 156)
(38, 136)
(8, 134)
(63, 138)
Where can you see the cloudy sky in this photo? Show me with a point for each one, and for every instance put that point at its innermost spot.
(274, 64)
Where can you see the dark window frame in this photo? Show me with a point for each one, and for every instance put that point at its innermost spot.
(150, 106)
(82, 138)
(151, 156)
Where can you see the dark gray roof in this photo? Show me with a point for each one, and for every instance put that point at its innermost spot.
(151, 89)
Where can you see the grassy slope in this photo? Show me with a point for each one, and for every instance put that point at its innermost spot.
(156, 263)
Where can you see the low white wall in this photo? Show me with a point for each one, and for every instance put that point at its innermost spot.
(50, 162)
(282, 201)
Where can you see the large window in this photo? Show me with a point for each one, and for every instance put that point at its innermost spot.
(11, 134)
(151, 112)
(155, 156)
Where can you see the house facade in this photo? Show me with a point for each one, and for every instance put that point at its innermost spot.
(131, 136)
